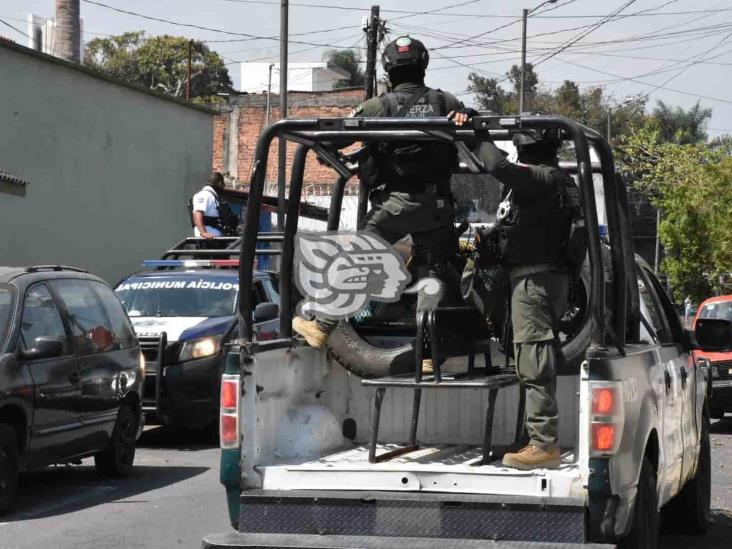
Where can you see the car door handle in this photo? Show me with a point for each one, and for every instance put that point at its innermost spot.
(75, 377)
(667, 377)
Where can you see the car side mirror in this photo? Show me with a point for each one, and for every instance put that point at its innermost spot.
(43, 347)
(266, 311)
(713, 335)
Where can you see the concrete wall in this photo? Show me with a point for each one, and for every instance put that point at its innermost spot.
(109, 167)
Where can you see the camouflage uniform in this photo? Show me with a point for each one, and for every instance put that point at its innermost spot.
(532, 241)
(422, 208)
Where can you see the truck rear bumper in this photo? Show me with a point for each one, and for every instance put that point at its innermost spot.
(335, 514)
(233, 540)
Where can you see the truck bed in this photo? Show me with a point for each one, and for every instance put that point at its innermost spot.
(438, 468)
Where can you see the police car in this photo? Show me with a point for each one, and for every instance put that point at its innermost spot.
(184, 312)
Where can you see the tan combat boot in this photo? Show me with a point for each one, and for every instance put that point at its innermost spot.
(530, 457)
(310, 330)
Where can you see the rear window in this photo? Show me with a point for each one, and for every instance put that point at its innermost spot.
(719, 311)
(91, 327)
(124, 334)
(188, 295)
(7, 298)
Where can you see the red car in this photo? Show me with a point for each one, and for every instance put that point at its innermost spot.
(721, 363)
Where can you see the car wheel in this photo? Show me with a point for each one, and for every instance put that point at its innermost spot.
(644, 531)
(117, 458)
(689, 511)
(8, 466)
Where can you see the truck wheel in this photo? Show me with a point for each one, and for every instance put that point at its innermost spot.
(116, 459)
(8, 467)
(688, 512)
(367, 361)
(644, 532)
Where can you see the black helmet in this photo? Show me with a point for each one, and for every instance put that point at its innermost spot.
(548, 136)
(405, 51)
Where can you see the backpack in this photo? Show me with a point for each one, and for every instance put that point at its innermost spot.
(405, 163)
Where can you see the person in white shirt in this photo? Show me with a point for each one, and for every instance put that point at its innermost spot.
(206, 213)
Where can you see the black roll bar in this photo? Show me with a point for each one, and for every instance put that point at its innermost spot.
(347, 130)
(288, 246)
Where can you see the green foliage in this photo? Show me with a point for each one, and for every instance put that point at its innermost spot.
(160, 63)
(349, 60)
(676, 125)
(692, 186)
(590, 106)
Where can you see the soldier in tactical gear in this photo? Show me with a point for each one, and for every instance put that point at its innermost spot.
(409, 182)
(540, 201)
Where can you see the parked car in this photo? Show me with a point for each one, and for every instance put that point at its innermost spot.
(71, 374)
(183, 317)
(720, 363)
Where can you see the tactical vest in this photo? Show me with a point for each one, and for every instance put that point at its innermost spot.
(538, 230)
(408, 166)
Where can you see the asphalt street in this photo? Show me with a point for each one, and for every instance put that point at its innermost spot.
(174, 498)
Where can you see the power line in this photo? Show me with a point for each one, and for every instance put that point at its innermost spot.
(199, 27)
(471, 15)
(582, 35)
(14, 28)
(631, 79)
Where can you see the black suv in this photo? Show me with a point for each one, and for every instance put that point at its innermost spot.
(70, 374)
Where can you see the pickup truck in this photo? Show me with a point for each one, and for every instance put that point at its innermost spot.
(315, 456)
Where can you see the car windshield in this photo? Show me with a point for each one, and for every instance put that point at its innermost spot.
(721, 310)
(7, 296)
(180, 295)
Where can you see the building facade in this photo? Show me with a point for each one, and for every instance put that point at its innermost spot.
(96, 173)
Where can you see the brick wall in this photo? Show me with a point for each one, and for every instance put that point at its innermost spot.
(234, 154)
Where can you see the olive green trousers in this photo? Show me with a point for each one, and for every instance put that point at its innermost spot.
(538, 301)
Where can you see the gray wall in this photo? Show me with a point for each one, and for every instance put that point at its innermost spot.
(109, 167)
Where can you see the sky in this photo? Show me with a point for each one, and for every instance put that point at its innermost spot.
(677, 51)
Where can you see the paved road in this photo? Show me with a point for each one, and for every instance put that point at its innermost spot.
(174, 499)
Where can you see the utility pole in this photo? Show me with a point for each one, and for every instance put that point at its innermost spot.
(609, 122)
(269, 94)
(190, 62)
(282, 158)
(68, 30)
(523, 61)
(524, 20)
(372, 40)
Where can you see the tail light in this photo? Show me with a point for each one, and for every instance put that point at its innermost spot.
(608, 417)
(229, 411)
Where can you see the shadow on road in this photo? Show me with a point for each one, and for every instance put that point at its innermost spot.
(723, 426)
(718, 537)
(165, 438)
(65, 489)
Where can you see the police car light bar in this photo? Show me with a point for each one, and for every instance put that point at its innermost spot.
(190, 263)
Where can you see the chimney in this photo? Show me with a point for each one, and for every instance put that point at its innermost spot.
(68, 30)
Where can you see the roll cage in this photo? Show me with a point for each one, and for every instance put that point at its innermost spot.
(323, 135)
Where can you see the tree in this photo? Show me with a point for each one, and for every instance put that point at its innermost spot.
(676, 125)
(349, 60)
(692, 186)
(489, 95)
(568, 101)
(160, 63)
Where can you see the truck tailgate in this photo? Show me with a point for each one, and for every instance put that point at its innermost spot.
(291, 541)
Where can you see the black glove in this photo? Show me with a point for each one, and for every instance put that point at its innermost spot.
(466, 110)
